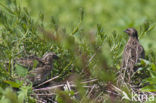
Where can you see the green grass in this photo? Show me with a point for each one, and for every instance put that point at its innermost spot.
(87, 35)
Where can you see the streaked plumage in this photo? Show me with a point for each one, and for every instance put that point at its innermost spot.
(29, 62)
(133, 50)
(40, 74)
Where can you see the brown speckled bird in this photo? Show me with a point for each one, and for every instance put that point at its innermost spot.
(40, 74)
(132, 52)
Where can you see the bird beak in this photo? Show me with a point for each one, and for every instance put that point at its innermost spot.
(125, 31)
(55, 57)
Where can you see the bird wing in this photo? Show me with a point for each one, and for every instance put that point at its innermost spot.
(141, 52)
(129, 56)
(40, 74)
(132, 52)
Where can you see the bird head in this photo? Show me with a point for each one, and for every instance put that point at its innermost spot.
(48, 57)
(131, 32)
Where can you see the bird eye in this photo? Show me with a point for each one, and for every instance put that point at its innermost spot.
(128, 29)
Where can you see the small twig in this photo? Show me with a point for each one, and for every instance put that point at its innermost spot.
(39, 101)
(113, 93)
(98, 96)
(92, 80)
(48, 88)
(57, 86)
(91, 90)
(47, 81)
(68, 86)
(44, 94)
(91, 58)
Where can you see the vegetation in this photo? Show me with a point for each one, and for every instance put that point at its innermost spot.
(88, 37)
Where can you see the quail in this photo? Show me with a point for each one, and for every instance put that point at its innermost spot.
(133, 51)
(40, 74)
